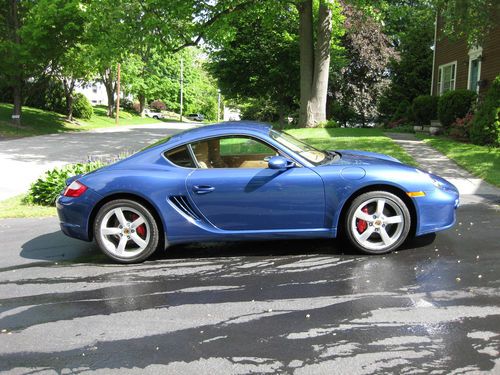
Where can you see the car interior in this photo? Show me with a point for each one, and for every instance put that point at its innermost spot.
(227, 152)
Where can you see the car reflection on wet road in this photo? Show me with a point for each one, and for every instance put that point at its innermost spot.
(303, 307)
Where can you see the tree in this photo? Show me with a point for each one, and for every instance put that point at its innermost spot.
(469, 19)
(34, 36)
(314, 61)
(111, 34)
(260, 62)
(410, 28)
(184, 23)
(367, 52)
(74, 67)
(11, 64)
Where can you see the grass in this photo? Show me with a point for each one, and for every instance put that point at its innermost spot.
(38, 122)
(370, 139)
(481, 161)
(15, 208)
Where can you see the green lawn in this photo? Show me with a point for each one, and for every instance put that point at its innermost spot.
(38, 122)
(481, 161)
(14, 207)
(353, 138)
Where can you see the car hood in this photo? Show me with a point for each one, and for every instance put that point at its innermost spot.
(368, 157)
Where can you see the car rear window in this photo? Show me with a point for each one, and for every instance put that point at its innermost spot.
(180, 156)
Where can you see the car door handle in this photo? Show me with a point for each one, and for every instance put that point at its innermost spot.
(203, 189)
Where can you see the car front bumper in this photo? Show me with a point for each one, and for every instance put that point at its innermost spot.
(437, 210)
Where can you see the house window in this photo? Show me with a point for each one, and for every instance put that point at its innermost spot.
(474, 68)
(447, 77)
(94, 89)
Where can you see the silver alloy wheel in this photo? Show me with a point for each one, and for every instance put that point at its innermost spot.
(384, 223)
(120, 232)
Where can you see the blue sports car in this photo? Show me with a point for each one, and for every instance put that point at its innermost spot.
(247, 181)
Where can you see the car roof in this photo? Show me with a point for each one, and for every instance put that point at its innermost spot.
(230, 127)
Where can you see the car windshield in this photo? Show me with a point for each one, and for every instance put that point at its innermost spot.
(308, 152)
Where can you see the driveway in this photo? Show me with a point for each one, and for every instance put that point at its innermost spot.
(296, 307)
(24, 160)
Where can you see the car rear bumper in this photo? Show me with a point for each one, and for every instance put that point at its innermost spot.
(74, 214)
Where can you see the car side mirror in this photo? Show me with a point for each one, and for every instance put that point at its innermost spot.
(279, 162)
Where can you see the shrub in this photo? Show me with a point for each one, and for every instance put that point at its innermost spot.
(47, 188)
(329, 124)
(453, 105)
(395, 123)
(136, 107)
(403, 112)
(47, 94)
(82, 107)
(126, 103)
(158, 105)
(461, 127)
(425, 109)
(485, 128)
(342, 112)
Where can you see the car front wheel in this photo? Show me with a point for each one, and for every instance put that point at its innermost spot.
(126, 231)
(377, 222)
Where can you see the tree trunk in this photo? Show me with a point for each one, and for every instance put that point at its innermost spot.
(314, 62)
(109, 84)
(18, 99)
(18, 81)
(142, 104)
(68, 94)
(281, 114)
(306, 44)
(319, 90)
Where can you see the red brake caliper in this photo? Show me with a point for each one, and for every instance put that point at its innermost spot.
(361, 224)
(141, 229)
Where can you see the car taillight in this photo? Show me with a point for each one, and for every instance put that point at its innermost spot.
(75, 189)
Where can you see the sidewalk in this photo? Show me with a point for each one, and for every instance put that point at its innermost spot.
(433, 161)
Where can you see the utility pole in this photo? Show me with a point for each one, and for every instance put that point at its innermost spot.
(117, 121)
(182, 87)
(218, 105)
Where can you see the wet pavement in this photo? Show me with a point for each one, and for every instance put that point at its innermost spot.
(298, 307)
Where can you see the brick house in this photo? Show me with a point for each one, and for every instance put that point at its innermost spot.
(456, 66)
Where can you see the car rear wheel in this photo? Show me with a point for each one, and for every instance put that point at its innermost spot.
(377, 222)
(126, 231)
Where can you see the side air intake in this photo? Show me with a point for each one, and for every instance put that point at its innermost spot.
(181, 202)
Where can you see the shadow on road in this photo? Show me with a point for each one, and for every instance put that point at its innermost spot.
(58, 247)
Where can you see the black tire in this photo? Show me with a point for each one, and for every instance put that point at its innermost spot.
(131, 211)
(384, 233)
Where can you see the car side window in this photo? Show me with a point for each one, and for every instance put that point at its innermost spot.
(180, 156)
(232, 152)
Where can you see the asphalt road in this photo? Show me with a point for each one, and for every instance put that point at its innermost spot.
(23, 160)
(302, 307)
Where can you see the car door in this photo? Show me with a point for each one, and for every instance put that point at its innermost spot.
(234, 189)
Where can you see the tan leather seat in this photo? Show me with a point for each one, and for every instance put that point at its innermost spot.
(201, 153)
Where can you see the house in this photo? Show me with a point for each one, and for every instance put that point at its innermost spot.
(457, 66)
(94, 91)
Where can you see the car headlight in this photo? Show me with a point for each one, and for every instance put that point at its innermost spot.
(437, 184)
(434, 182)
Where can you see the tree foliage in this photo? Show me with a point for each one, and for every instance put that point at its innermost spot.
(471, 20)
(409, 25)
(357, 85)
(260, 62)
